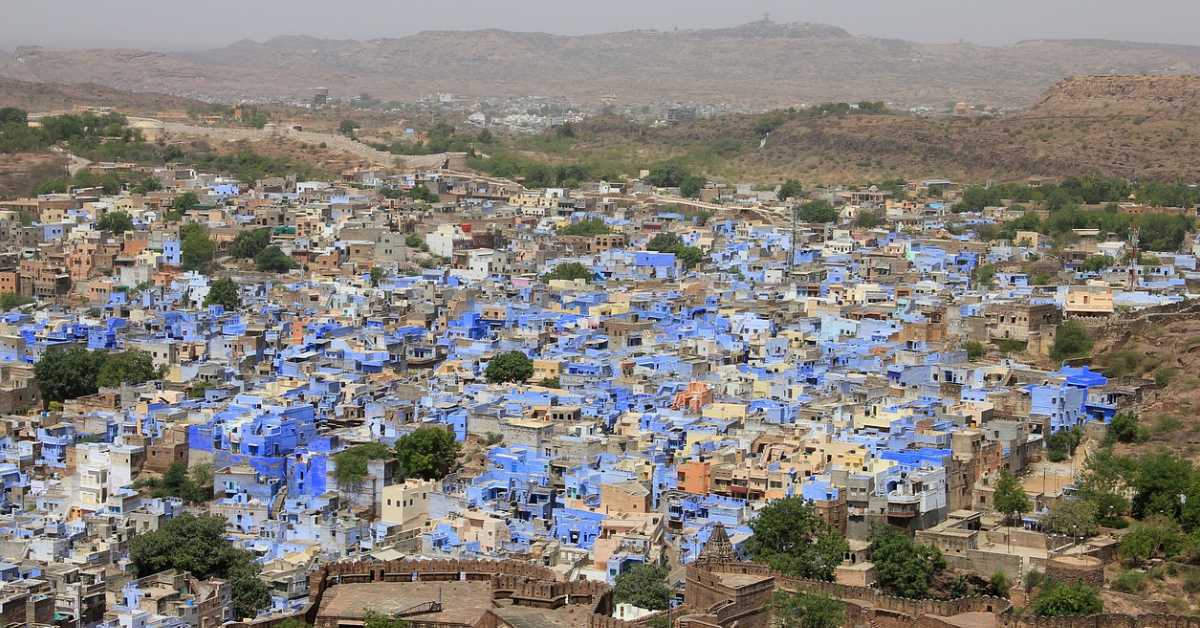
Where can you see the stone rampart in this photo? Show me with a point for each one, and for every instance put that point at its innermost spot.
(415, 163)
(1103, 620)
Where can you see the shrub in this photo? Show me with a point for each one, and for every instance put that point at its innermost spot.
(1130, 581)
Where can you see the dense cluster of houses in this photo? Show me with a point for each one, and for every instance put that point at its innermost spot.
(821, 361)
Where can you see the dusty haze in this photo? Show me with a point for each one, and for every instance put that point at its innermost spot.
(170, 25)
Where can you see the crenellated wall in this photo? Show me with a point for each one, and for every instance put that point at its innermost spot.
(1103, 620)
(525, 591)
(913, 608)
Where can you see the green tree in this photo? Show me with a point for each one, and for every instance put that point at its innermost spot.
(347, 127)
(905, 567)
(13, 115)
(196, 248)
(789, 536)
(198, 546)
(223, 292)
(1156, 537)
(807, 610)
(350, 464)
(975, 349)
(569, 272)
(550, 382)
(644, 586)
(427, 453)
(667, 174)
(377, 275)
(12, 300)
(422, 193)
(1060, 600)
(689, 256)
(790, 189)
(585, 227)
(184, 203)
(1124, 427)
(1072, 517)
(866, 219)
(567, 130)
(817, 211)
(273, 260)
(1071, 341)
(115, 222)
(485, 137)
(247, 244)
(1010, 497)
(193, 488)
(513, 366)
(132, 367)
(199, 388)
(1161, 478)
(1062, 444)
(934, 191)
(1096, 263)
(984, 275)
(149, 184)
(999, 584)
(691, 186)
(62, 375)
(664, 241)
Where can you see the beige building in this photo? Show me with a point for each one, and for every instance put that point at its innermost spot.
(407, 504)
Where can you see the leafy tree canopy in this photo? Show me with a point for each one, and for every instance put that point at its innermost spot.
(223, 292)
(63, 375)
(247, 244)
(1010, 497)
(905, 567)
(273, 260)
(789, 536)
(351, 463)
(1060, 600)
(198, 545)
(115, 222)
(586, 227)
(1071, 341)
(807, 610)
(664, 241)
(817, 211)
(132, 367)
(569, 271)
(427, 453)
(513, 366)
(644, 586)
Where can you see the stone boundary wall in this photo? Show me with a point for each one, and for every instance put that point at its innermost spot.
(1103, 620)
(912, 608)
(415, 163)
(543, 594)
(1117, 324)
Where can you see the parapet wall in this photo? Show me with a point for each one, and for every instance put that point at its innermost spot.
(1103, 620)
(546, 594)
(912, 608)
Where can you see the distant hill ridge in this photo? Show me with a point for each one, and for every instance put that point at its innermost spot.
(761, 63)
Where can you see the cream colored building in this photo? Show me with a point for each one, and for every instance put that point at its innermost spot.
(407, 504)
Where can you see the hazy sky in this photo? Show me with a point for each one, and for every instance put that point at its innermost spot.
(195, 24)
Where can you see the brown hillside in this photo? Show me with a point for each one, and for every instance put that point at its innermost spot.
(1129, 126)
(761, 63)
(35, 97)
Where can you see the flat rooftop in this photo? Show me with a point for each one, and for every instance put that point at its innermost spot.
(463, 602)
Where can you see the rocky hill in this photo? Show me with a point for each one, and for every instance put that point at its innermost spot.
(35, 97)
(761, 63)
(1128, 126)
